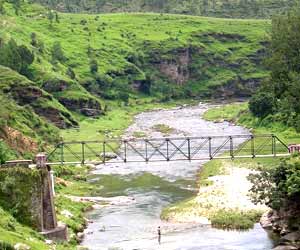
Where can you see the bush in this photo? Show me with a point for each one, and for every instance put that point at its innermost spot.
(262, 104)
(3, 153)
(235, 219)
(93, 66)
(57, 53)
(279, 186)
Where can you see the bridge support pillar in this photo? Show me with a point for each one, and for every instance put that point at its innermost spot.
(49, 226)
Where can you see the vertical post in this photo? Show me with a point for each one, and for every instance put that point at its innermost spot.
(52, 181)
(125, 151)
(62, 153)
(146, 150)
(273, 145)
(209, 145)
(252, 146)
(167, 140)
(231, 147)
(82, 153)
(103, 153)
(189, 148)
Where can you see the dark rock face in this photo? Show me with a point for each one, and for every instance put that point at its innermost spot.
(56, 86)
(91, 112)
(59, 119)
(88, 107)
(177, 69)
(238, 87)
(285, 223)
(38, 101)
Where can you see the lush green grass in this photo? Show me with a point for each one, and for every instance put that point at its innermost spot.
(163, 128)
(227, 112)
(125, 50)
(217, 52)
(232, 219)
(240, 115)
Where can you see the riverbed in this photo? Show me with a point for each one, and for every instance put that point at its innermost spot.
(153, 186)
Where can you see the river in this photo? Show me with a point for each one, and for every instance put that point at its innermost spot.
(153, 186)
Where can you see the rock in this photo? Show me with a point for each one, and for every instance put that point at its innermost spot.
(292, 237)
(265, 220)
(285, 247)
(80, 236)
(67, 214)
(82, 248)
(62, 182)
(21, 246)
(109, 155)
(49, 242)
(91, 112)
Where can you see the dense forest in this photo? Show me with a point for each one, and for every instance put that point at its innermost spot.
(213, 8)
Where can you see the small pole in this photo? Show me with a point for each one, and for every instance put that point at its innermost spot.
(274, 145)
(167, 140)
(146, 150)
(104, 156)
(231, 147)
(125, 151)
(252, 146)
(189, 148)
(62, 153)
(83, 153)
(210, 151)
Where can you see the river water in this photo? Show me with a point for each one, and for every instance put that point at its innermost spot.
(152, 186)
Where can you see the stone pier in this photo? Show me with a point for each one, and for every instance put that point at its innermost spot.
(49, 226)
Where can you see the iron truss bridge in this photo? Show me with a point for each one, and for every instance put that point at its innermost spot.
(167, 149)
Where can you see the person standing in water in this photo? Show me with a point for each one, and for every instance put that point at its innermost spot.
(159, 235)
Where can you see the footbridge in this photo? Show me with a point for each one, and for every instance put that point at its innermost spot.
(167, 149)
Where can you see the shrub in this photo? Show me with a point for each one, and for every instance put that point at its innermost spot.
(93, 66)
(57, 53)
(262, 104)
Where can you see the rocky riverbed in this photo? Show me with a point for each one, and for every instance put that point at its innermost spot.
(156, 185)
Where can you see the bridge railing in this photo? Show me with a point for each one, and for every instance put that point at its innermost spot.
(167, 149)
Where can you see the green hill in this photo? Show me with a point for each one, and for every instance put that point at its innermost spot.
(82, 61)
(213, 8)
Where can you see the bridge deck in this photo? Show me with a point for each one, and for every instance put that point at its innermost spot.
(168, 149)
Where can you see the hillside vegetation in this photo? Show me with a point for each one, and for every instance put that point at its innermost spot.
(215, 8)
(72, 65)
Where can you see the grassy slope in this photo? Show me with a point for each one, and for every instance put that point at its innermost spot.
(117, 37)
(217, 8)
(124, 50)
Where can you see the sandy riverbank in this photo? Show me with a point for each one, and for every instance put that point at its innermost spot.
(227, 192)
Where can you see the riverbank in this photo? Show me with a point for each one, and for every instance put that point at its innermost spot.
(222, 201)
(223, 198)
(72, 185)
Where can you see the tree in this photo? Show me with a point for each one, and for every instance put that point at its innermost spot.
(279, 186)
(70, 72)
(3, 152)
(281, 93)
(27, 58)
(16, 5)
(93, 66)
(2, 9)
(57, 53)
(34, 41)
(262, 104)
(9, 56)
(50, 17)
(56, 17)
